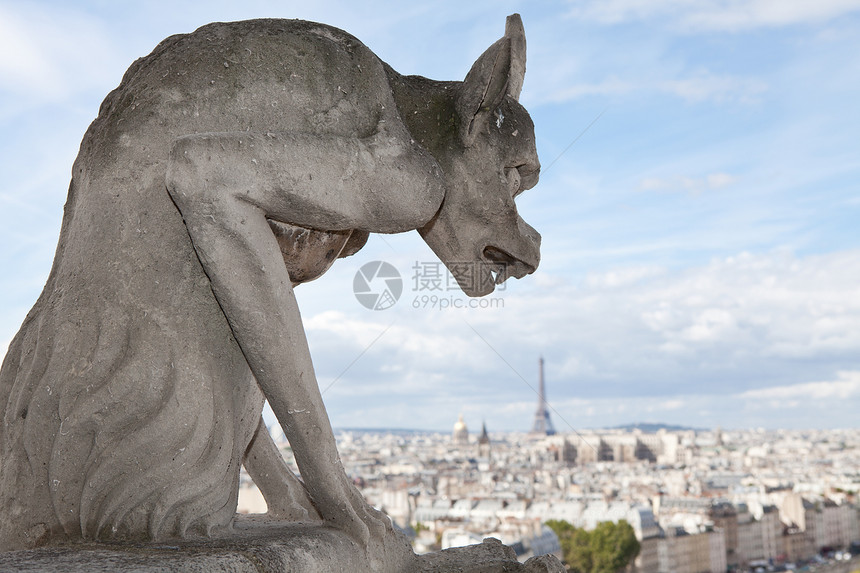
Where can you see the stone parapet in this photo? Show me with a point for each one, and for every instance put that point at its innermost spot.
(264, 548)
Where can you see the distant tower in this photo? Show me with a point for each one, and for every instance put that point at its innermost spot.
(542, 424)
(460, 435)
(484, 443)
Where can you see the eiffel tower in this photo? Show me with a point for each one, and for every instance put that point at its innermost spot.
(542, 424)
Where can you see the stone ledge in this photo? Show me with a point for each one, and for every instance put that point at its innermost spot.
(263, 548)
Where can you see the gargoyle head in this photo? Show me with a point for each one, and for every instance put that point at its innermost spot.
(477, 232)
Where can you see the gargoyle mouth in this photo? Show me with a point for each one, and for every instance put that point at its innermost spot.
(505, 265)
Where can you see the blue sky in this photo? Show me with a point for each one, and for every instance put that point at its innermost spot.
(701, 252)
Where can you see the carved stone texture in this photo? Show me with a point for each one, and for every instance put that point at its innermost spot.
(230, 165)
(269, 549)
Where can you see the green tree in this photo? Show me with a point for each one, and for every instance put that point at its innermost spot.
(607, 549)
(613, 546)
(581, 558)
(560, 526)
(564, 531)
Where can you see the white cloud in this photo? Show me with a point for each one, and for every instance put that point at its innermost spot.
(815, 405)
(639, 333)
(720, 180)
(24, 65)
(674, 404)
(847, 385)
(426, 339)
(735, 15)
(698, 87)
(722, 15)
(611, 86)
(772, 318)
(616, 11)
(717, 88)
(47, 53)
(622, 277)
(710, 324)
(782, 305)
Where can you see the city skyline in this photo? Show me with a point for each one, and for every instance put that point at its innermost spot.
(698, 205)
(714, 501)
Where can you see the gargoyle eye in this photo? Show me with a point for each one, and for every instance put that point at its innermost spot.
(521, 187)
(526, 175)
(515, 180)
(529, 173)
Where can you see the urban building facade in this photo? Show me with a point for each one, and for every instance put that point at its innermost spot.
(697, 501)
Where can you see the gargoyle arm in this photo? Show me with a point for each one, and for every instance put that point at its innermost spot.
(225, 185)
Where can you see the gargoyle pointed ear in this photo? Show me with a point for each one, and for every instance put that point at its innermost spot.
(496, 73)
(516, 33)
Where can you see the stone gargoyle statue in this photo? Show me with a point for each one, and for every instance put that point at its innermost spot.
(230, 165)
